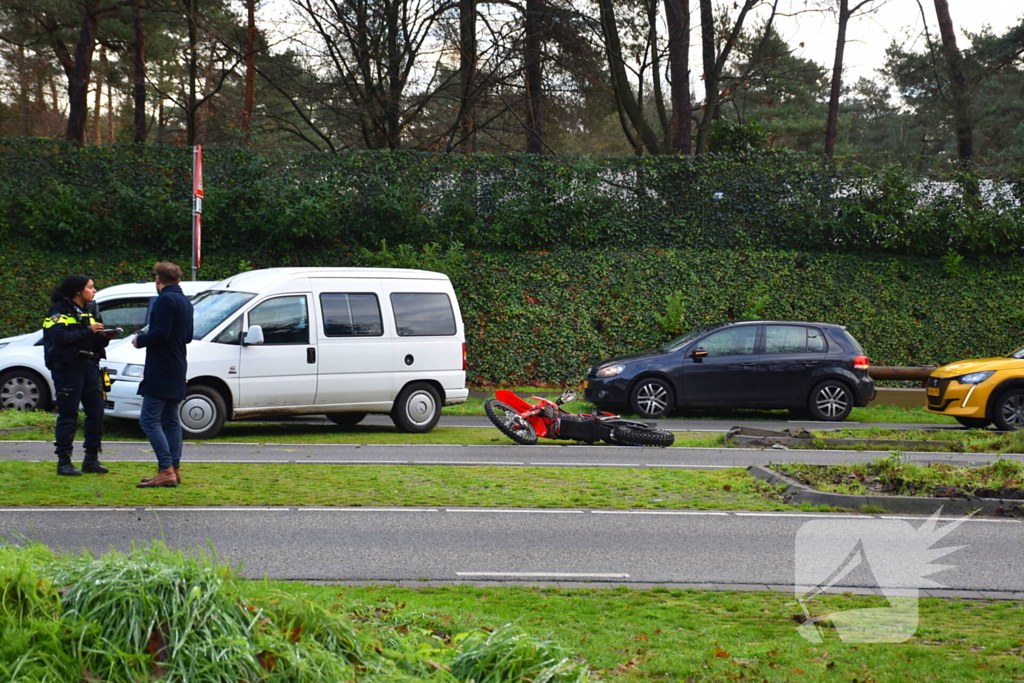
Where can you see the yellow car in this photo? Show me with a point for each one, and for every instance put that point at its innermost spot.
(980, 392)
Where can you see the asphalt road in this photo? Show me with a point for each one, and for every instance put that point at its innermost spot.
(564, 547)
(693, 548)
(550, 454)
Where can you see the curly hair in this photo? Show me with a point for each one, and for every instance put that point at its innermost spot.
(69, 287)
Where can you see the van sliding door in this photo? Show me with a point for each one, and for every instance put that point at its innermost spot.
(355, 346)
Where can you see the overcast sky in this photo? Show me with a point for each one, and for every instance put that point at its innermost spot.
(868, 36)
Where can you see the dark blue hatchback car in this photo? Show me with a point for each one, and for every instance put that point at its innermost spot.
(817, 368)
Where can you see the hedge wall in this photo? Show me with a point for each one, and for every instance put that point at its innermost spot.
(258, 204)
(544, 317)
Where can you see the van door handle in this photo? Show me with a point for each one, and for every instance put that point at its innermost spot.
(311, 355)
(748, 365)
(810, 363)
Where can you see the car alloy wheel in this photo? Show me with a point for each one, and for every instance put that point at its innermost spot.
(830, 401)
(652, 398)
(1009, 413)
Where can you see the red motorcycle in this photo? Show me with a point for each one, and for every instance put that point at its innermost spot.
(524, 422)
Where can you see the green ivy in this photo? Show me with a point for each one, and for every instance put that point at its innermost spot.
(544, 317)
(260, 203)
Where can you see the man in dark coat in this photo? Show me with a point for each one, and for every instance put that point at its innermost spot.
(163, 381)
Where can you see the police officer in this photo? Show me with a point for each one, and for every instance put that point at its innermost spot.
(73, 344)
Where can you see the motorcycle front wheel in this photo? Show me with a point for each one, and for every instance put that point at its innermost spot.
(639, 436)
(507, 420)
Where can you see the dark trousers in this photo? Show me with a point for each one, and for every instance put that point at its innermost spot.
(78, 384)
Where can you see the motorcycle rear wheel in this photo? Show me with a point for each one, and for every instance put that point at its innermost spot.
(636, 436)
(507, 420)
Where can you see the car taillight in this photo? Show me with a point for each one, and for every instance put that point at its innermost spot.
(465, 365)
(861, 363)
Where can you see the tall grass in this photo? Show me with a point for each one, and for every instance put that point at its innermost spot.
(159, 613)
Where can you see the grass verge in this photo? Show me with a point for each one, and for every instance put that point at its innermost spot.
(893, 476)
(209, 484)
(942, 441)
(184, 616)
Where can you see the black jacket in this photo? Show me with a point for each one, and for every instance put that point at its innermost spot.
(170, 329)
(66, 332)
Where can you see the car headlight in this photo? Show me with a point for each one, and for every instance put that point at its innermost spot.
(975, 377)
(133, 370)
(611, 371)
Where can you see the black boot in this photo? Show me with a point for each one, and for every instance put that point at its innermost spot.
(64, 466)
(91, 463)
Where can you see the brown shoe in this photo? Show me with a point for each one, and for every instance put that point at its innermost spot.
(163, 478)
(177, 474)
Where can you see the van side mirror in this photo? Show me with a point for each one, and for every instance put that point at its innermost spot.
(698, 354)
(254, 335)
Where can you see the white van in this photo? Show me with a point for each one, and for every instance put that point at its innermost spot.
(342, 342)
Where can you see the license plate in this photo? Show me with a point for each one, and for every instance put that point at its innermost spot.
(933, 391)
(586, 384)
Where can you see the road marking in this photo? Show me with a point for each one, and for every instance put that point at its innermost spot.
(543, 512)
(588, 464)
(559, 575)
(328, 509)
(465, 462)
(216, 509)
(660, 512)
(680, 466)
(950, 518)
(801, 514)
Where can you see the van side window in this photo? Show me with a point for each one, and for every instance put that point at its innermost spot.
(423, 315)
(232, 334)
(351, 315)
(129, 314)
(284, 320)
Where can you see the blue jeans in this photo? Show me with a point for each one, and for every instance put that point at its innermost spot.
(160, 421)
(77, 384)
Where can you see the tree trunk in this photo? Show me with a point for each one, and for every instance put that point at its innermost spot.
(138, 74)
(961, 97)
(250, 63)
(630, 114)
(78, 81)
(97, 114)
(467, 77)
(534, 78)
(832, 123)
(677, 14)
(714, 64)
(193, 66)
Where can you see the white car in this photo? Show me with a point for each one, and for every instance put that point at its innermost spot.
(25, 383)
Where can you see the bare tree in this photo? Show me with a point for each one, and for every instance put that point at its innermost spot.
(961, 96)
(250, 63)
(677, 14)
(638, 131)
(534, 77)
(138, 74)
(845, 14)
(714, 62)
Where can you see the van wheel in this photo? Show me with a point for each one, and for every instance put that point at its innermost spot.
(346, 419)
(23, 390)
(202, 413)
(417, 409)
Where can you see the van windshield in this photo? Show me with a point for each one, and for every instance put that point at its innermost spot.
(211, 308)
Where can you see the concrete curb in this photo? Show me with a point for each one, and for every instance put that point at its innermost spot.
(796, 492)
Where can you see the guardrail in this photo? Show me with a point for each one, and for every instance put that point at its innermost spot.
(917, 373)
